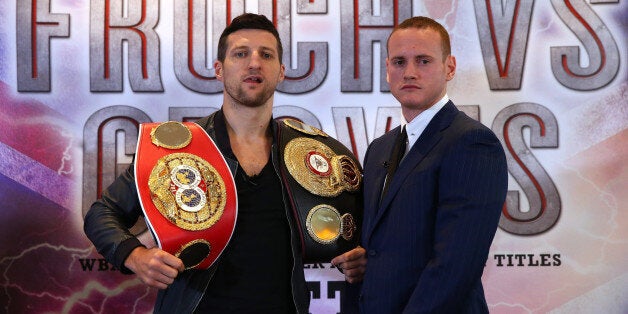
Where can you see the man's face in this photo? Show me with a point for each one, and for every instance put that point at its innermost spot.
(251, 70)
(415, 69)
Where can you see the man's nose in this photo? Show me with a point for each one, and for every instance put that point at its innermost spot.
(411, 72)
(255, 61)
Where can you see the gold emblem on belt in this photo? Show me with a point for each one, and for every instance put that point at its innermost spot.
(319, 170)
(171, 135)
(325, 225)
(187, 190)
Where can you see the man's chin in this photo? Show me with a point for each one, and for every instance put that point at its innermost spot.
(411, 102)
(253, 102)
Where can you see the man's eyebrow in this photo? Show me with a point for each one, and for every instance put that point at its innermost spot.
(240, 47)
(269, 48)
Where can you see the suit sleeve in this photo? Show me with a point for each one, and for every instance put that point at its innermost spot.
(472, 186)
(109, 218)
(349, 302)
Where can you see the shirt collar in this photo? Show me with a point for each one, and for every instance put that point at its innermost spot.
(416, 127)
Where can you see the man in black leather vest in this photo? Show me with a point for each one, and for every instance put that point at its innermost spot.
(261, 270)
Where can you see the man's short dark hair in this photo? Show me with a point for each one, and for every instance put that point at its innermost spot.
(423, 22)
(248, 21)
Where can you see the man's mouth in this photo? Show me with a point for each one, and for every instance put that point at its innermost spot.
(253, 79)
(409, 86)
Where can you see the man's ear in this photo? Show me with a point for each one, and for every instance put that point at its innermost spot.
(282, 73)
(450, 64)
(218, 69)
(387, 76)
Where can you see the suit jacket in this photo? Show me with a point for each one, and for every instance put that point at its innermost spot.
(428, 238)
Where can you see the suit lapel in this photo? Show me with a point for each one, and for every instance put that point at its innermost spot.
(428, 139)
(378, 159)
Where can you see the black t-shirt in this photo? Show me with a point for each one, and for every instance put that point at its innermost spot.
(253, 273)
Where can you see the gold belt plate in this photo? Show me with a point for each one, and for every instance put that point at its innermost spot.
(325, 225)
(171, 135)
(188, 191)
(319, 170)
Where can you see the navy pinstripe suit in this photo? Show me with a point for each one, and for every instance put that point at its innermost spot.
(428, 239)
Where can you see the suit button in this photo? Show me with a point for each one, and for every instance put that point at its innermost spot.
(372, 252)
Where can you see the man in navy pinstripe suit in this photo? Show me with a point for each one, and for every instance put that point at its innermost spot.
(427, 237)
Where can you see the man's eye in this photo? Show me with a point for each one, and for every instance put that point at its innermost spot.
(424, 61)
(240, 54)
(399, 62)
(267, 56)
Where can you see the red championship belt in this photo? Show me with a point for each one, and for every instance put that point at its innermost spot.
(186, 191)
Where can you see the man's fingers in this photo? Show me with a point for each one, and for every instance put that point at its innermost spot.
(172, 261)
(158, 281)
(154, 266)
(354, 272)
(357, 253)
(338, 260)
(353, 261)
(160, 275)
(166, 271)
(354, 275)
(352, 264)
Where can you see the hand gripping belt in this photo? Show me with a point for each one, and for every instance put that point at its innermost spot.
(186, 191)
(324, 184)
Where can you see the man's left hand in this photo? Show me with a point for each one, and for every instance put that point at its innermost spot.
(352, 264)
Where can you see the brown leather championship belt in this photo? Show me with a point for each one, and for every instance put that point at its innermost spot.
(324, 183)
(186, 191)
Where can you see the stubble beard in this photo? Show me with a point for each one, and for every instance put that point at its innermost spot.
(241, 97)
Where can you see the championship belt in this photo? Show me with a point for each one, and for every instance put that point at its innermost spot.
(324, 183)
(186, 190)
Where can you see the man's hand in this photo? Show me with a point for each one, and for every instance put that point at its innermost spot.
(155, 267)
(352, 264)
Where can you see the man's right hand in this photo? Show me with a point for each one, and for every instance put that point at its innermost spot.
(155, 267)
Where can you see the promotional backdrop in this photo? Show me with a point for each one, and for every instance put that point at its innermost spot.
(548, 77)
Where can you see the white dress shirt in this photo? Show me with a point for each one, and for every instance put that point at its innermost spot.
(416, 127)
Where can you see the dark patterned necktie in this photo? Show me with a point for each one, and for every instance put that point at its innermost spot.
(399, 150)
